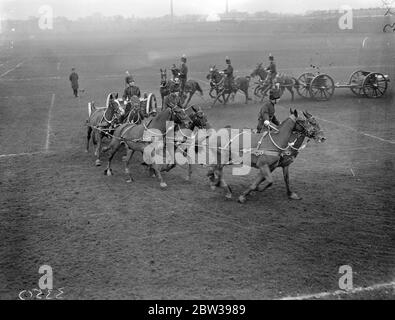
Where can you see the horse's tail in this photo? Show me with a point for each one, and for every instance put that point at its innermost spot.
(199, 88)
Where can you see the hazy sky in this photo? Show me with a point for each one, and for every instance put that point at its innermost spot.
(146, 8)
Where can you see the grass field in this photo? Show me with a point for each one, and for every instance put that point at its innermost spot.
(105, 238)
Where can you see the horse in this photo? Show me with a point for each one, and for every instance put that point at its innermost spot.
(265, 156)
(100, 122)
(191, 87)
(137, 136)
(167, 86)
(187, 136)
(285, 82)
(296, 144)
(217, 79)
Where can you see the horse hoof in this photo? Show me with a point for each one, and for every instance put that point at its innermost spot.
(108, 172)
(98, 163)
(86, 151)
(228, 196)
(294, 196)
(129, 181)
(242, 199)
(163, 185)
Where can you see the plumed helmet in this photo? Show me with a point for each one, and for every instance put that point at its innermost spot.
(227, 59)
(184, 58)
(271, 56)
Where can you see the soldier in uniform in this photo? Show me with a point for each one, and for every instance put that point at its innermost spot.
(183, 74)
(267, 111)
(228, 75)
(172, 100)
(272, 70)
(130, 91)
(74, 81)
(128, 79)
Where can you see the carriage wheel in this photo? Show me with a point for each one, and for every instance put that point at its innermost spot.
(303, 87)
(152, 105)
(322, 87)
(374, 85)
(356, 81)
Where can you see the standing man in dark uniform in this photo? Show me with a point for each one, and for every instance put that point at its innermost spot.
(228, 75)
(74, 81)
(272, 70)
(183, 74)
(266, 114)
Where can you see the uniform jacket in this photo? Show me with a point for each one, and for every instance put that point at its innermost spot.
(131, 91)
(267, 111)
(183, 71)
(229, 71)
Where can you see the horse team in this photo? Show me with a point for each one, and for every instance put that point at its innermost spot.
(146, 131)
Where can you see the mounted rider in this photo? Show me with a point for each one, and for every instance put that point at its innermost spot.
(183, 74)
(267, 112)
(131, 90)
(229, 79)
(173, 100)
(128, 79)
(272, 70)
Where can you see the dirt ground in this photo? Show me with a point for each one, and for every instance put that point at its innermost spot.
(107, 239)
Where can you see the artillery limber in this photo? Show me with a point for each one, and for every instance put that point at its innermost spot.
(362, 83)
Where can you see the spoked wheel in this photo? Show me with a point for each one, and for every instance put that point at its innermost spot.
(152, 105)
(356, 81)
(322, 87)
(303, 88)
(374, 85)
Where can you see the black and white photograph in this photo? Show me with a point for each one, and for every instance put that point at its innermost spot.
(211, 151)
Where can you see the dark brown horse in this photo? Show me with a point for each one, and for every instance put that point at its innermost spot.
(296, 144)
(100, 122)
(138, 137)
(285, 82)
(191, 87)
(217, 79)
(265, 154)
(167, 86)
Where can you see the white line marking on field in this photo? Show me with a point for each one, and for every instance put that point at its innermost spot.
(11, 155)
(12, 69)
(49, 123)
(357, 131)
(352, 129)
(341, 292)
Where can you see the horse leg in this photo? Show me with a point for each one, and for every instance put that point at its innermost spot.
(247, 97)
(128, 157)
(159, 175)
(189, 99)
(98, 148)
(114, 149)
(88, 137)
(264, 174)
(292, 92)
(222, 183)
(291, 195)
